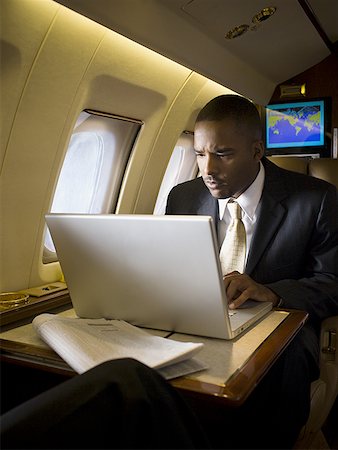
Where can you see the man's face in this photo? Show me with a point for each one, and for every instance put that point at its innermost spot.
(228, 159)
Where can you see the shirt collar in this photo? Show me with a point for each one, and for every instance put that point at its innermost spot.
(249, 199)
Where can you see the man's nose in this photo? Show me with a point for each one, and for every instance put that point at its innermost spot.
(210, 165)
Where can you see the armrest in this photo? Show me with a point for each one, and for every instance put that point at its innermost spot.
(329, 362)
(324, 390)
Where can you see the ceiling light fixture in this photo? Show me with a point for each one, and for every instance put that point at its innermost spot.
(263, 15)
(237, 31)
(257, 19)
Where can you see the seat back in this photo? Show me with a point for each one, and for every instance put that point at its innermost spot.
(293, 163)
(324, 168)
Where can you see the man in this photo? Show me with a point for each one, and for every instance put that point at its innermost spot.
(291, 256)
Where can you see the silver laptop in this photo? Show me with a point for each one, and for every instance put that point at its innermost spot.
(160, 272)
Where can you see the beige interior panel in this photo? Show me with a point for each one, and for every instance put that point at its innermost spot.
(196, 92)
(65, 63)
(18, 54)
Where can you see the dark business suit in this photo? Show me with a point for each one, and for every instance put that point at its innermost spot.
(294, 251)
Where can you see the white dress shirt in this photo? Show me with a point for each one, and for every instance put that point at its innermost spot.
(248, 201)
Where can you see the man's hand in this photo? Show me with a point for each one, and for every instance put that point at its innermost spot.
(240, 288)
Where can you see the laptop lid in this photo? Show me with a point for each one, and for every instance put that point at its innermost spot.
(160, 272)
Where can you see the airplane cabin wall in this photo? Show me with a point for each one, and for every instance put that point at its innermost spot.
(57, 63)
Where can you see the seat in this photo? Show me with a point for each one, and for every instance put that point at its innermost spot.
(293, 163)
(324, 168)
(324, 391)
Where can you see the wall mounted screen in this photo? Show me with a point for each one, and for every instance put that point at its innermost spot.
(298, 127)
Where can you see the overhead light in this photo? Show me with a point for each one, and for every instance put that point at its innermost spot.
(257, 19)
(237, 31)
(263, 15)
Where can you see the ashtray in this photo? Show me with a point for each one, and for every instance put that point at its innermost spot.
(12, 299)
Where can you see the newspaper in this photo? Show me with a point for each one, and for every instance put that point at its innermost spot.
(85, 343)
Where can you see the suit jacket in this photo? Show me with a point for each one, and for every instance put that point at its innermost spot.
(294, 249)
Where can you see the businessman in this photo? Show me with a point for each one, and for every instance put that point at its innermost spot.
(290, 258)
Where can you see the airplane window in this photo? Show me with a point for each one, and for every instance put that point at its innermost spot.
(182, 167)
(93, 168)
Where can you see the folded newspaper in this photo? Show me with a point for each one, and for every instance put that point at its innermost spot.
(85, 343)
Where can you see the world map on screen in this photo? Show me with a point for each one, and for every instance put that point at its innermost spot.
(296, 126)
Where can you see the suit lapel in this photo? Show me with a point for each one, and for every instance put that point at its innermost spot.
(270, 214)
(207, 205)
(209, 208)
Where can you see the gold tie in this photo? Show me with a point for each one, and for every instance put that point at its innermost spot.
(232, 253)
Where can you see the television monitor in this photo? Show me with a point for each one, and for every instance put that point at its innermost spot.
(299, 127)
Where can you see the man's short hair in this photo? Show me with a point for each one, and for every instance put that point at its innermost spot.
(236, 108)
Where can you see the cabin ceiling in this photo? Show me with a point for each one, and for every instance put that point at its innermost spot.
(300, 34)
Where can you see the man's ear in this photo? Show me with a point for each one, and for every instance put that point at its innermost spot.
(258, 150)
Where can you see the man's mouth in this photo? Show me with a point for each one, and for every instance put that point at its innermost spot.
(214, 184)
